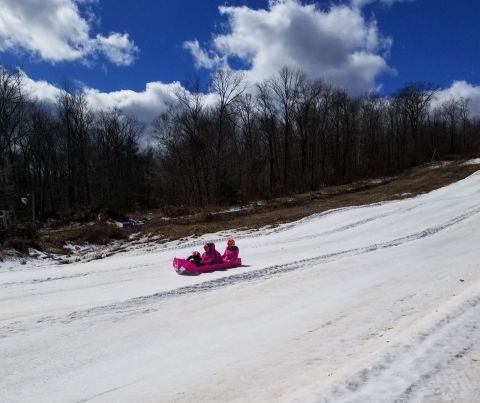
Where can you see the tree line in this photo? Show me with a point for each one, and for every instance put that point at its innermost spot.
(291, 134)
(70, 158)
(285, 135)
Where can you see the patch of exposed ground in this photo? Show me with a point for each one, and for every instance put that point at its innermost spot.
(288, 209)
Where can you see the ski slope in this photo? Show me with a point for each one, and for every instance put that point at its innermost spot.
(378, 303)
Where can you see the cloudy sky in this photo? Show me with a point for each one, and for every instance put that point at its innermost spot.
(133, 54)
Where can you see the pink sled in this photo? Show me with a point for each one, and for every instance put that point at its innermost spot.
(183, 266)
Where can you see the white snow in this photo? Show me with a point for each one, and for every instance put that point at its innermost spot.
(440, 164)
(475, 161)
(377, 303)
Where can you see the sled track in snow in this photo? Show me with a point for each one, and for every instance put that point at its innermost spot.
(439, 363)
(355, 224)
(43, 280)
(73, 276)
(270, 271)
(152, 303)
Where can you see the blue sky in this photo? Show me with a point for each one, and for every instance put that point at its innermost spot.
(143, 41)
(433, 40)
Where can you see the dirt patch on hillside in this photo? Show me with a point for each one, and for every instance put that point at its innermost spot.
(155, 225)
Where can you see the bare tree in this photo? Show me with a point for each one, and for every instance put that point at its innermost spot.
(253, 155)
(415, 102)
(286, 87)
(76, 122)
(306, 112)
(12, 108)
(268, 127)
(228, 87)
(187, 139)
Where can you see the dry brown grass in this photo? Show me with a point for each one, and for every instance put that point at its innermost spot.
(97, 233)
(283, 210)
(21, 245)
(100, 234)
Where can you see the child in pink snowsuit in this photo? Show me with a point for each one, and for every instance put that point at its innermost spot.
(231, 252)
(211, 256)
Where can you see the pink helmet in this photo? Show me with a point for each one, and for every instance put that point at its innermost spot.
(195, 253)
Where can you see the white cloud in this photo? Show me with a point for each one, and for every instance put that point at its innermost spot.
(461, 90)
(200, 56)
(338, 44)
(56, 31)
(363, 3)
(145, 105)
(118, 48)
(40, 90)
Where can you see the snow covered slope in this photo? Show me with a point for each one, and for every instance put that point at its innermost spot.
(378, 303)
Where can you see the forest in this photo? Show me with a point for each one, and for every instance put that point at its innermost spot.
(286, 135)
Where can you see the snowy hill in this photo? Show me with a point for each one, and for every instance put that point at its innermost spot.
(379, 303)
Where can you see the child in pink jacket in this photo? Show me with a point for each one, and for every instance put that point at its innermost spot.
(211, 256)
(231, 252)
